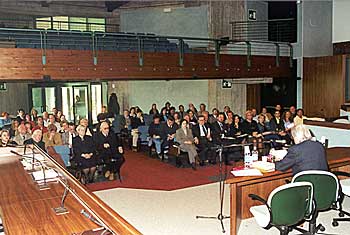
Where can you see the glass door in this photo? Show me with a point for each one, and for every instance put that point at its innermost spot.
(43, 98)
(81, 102)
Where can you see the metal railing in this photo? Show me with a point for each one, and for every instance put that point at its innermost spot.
(279, 30)
(140, 43)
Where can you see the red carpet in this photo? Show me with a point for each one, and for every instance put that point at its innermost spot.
(143, 172)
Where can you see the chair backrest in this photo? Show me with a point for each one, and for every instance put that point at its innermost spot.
(326, 187)
(290, 203)
(143, 133)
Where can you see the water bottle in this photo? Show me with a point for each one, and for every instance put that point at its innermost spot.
(255, 154)
(247, 157)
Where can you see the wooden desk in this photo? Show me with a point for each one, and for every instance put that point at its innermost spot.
(27, 210)
(240, 187)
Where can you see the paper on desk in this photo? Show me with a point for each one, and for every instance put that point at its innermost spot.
(50, 175)
(246, 172)
(264, 166)
(279, 154)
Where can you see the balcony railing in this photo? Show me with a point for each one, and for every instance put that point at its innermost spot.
(281, 30)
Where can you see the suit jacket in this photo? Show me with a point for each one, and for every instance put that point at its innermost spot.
(276, 126)
(216, 132)
(165, 130)
(197, 132)
(250, 127)
(307, 155)
(83, 146)
(181, 137)
(100, 140)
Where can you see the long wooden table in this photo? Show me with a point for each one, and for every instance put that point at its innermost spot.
(25, 209)
(240, 187)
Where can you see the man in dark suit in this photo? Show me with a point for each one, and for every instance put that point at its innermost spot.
(218, 130)
(202, 139)
(305, 154)
(109, 151)
(167, 133)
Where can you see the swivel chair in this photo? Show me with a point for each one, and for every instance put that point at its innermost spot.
(286, 206)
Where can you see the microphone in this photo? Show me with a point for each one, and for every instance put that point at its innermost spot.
(90, 217)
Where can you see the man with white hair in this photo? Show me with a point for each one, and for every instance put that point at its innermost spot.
(305, 154)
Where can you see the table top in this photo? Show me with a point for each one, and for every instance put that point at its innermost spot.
(336, 155)
(25, 209)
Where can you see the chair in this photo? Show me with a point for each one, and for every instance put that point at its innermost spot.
(285, 207)
(345, 191)
(143, 136)
(326, 193)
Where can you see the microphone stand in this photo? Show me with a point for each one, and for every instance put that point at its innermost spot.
(42, 186)
(220, 216)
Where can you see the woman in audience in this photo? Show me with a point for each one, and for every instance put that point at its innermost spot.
(29, 127)
(185, 138)
(5, 139)
(52, 137)
(154, 110)
(193, 119)
(5, 119)
(299, 118)
(14, 126)
(234, 129)
(84, 154)
(40, 125)
(164, 115)
(29, 119)
(85, 123)
(34, 114)
(135, 123)
(58, 116)
(267, 115)
(177, 119)
(109, 150)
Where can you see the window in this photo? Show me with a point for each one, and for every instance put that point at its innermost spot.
(77, 23)
(71, 23)
(43, 23)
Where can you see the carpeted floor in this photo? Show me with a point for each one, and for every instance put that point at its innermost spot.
(142, 172)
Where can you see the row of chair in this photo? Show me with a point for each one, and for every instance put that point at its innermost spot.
(309, 193)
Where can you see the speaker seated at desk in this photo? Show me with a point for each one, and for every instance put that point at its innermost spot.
(305, 154)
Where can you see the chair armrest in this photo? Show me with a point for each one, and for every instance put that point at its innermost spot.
(258, 198)
(341, 173)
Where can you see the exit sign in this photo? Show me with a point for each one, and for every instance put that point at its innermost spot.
(3, 86)
(251, 14)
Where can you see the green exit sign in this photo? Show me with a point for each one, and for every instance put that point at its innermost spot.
(3, 86)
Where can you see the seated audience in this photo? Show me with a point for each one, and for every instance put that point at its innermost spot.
(20, 116)
(202, 108)
(36, 139)
(29, 127)
(235, 128)
(46, 118)
(213, 115)
(5, 139)
(5, 120)
(249, 126)
(85, 154)
(155, 134)
(14, 127)
(254, 114)
(85, 123)
(267, 115)
(292, 110)
(28, 119)
(40, 125)
(52, 137)
(226, 109)
(193, 119)
(185, 138)
(218, 129)
(276, 123)
(52, 120)
(22, 135)
(305, 154)
(203, 141)
(109, 150)
(34, 114)
(136, 121)
(299, 118)
(287, 118)
(193, 109)
(154, 111)
(177, 119)
(181, 111)
(167, 133)
(164, 115)
(172, 111)
(229, 119)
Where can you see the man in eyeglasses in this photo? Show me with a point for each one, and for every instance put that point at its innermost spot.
(109, 151)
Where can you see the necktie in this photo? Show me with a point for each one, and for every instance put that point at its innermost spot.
(204, 130)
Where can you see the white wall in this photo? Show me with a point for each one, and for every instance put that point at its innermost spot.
(336, 137)
(341, 17)
(144, 93)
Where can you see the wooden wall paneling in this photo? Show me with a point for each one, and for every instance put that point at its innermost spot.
(26, 64)
(254, 96)
(323, 85)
